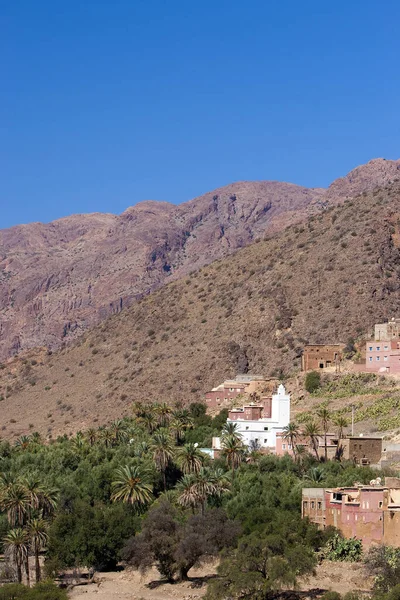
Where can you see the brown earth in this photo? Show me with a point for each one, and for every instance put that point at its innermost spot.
(323, 281)
(130, 585)
(56, 280)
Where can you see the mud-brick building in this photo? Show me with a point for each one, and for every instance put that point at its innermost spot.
(370, 513)
(362, 450)
(322, 356)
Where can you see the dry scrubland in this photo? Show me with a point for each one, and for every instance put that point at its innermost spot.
(324, 281)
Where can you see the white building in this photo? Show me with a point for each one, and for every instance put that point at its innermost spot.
(261, 422)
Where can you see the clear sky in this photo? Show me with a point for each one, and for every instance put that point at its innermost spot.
(106, 103)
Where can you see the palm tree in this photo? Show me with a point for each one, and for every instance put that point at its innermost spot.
(164, 413)
(189, 458)
(91, 436)
(118, 430)
(315, 475)
(163, 450)
(230, 429)
(36, 438)
(324, 416)
(204, 485)
(23, 442)
(107, 437)
(291, 433)
(141, 449)
(312, 432)
(341, 423)
(15, 500)
(16, 546)
(42, 498)
(38, 537)
(149, 421)
(253, 451)
(177, 429)
(131, 486)
(221, 482)
(187, 497)
(232, 449)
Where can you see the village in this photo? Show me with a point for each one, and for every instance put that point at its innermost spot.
(259, 411)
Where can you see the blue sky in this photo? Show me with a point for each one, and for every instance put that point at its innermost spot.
(104, 104)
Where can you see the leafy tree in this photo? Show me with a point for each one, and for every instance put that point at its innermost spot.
(383, 563)
(85, 535)
(312, 381)
(176, 544)
(260, 564)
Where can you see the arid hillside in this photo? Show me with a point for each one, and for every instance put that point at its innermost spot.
(323, 281)
(59, 279)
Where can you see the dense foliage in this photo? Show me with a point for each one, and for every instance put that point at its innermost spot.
(141, 490)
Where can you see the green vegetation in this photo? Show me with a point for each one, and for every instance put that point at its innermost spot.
(313, 381)
(140, 490)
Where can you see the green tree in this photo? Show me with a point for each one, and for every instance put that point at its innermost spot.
(313, 381)
(312, 432)
(232, 450)
(324, 417)
(163, 450)
(259, 565)
(131, 485)
(16, 546)
(189, 458)
(291, 433)
(37, 531)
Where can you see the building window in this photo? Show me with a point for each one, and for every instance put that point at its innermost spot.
(378, 348)
(305, 504)
(385, 358)
(367, 504)
(289, 446)
(356, 517)
(378, 358)
(385, 347)
(370, 348)
(380, 504)
(265, 440)
(247, 427)
(348, 517)
(312, 504)
(265, 428)
(283, 446)
(319, 505)
(370, 359)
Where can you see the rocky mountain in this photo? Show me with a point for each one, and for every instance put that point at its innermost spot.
(58, 279)
(331, 277)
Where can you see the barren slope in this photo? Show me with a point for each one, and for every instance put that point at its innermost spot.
(56, 280)
(321, 282)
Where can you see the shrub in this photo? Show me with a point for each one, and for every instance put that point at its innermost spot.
(342, 549)
(313, 381)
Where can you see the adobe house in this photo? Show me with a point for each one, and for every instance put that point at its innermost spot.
(322, 356)
(248, 386)
(370, 513)
(362, 450)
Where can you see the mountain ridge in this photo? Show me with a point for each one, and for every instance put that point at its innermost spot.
(59, 279)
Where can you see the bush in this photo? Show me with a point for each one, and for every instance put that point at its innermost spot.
(46, 590)
(342, 549)
(313, 381)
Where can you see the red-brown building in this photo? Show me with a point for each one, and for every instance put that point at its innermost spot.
(370, 513)
(322, 356)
